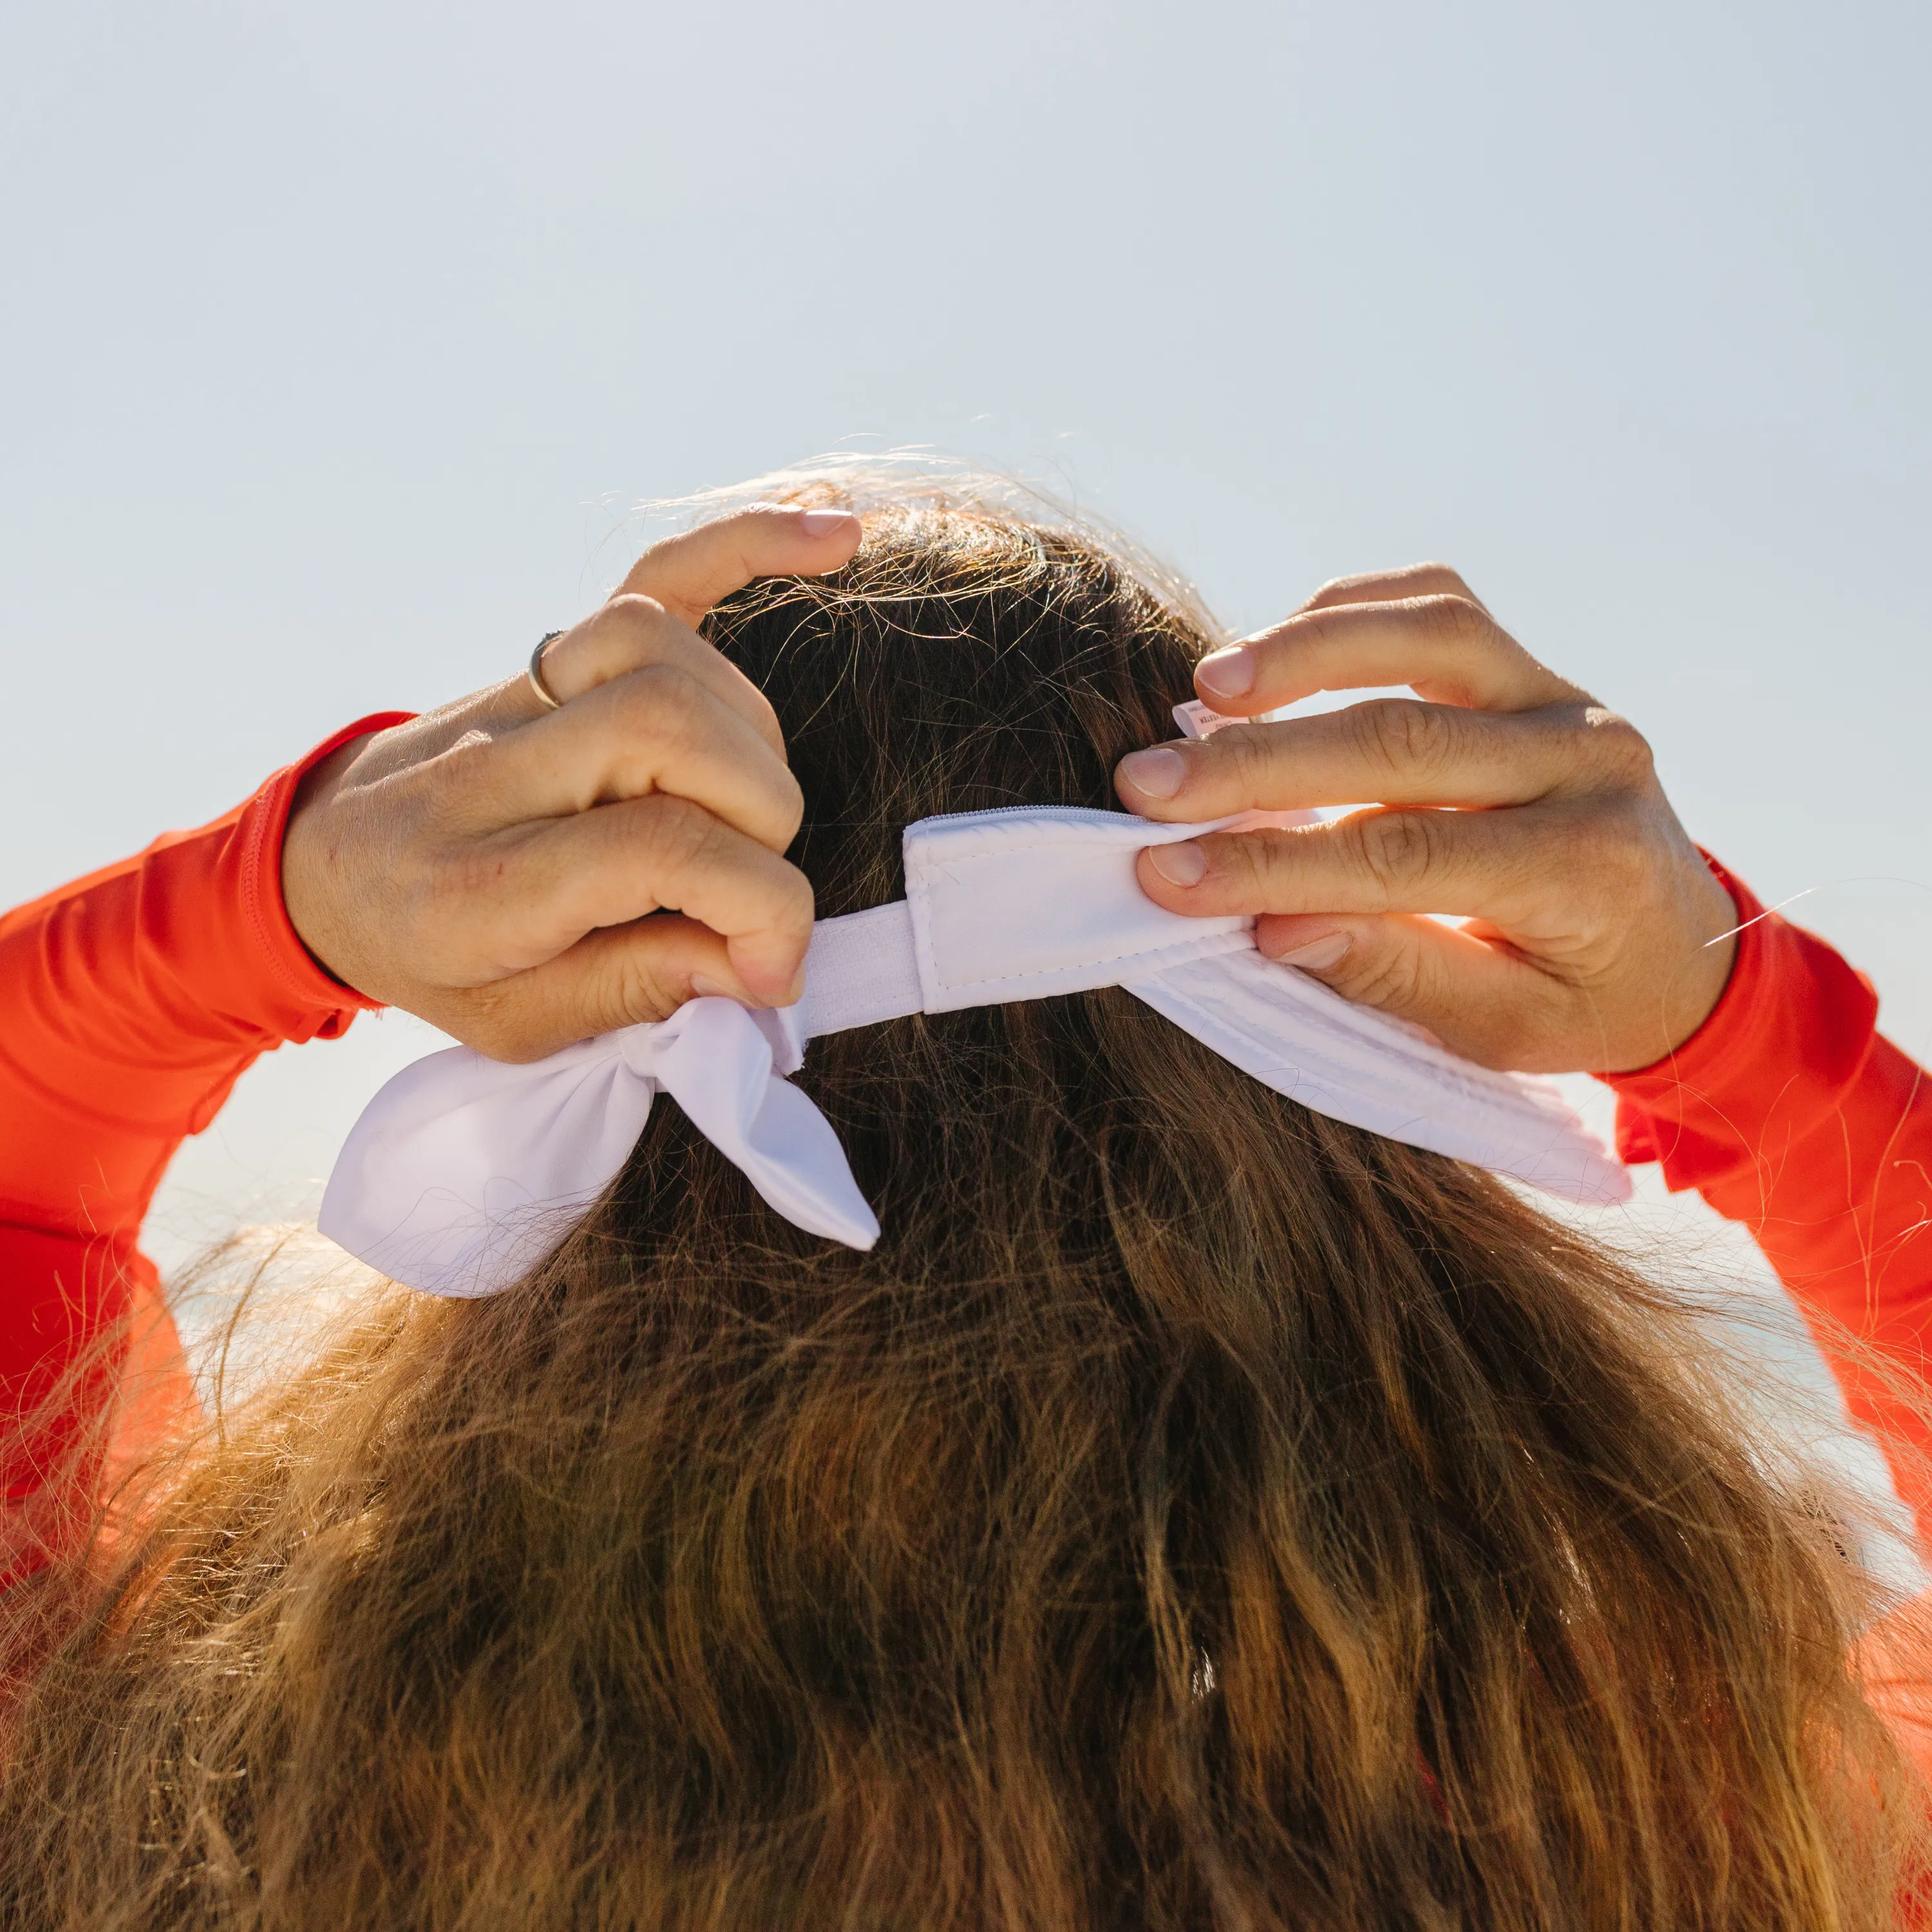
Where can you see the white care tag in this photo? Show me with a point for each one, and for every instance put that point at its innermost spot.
(1196, 721)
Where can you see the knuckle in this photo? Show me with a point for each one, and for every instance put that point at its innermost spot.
(800, 905)
(1392, 977)
(1248, 862)
(463, 763)
(1244, 753)
(1436, 571)
(765, 718)
(1405, 737)
(632, 610)
(677, 835)
(1456, 623)
(1400, 849)
(779, 903)
(661, 698)
(1618, 749)
(1334, 589)
(639, 988)
(613, 640)
(791, 812)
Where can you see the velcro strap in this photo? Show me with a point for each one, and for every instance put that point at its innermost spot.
(1002, 906)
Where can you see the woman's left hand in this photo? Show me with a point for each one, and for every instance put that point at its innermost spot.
(1597, 938)
(504, 870)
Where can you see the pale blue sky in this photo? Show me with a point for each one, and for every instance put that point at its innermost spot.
(334, 341)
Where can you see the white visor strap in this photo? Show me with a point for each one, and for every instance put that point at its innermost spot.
(462, 1172)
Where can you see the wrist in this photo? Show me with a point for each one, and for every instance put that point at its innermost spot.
(295, 906)
(1718, 917)
(305, 860)
(1712, 1016)
(1787, 1038)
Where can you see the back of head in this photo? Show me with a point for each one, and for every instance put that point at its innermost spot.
(1194, 1512)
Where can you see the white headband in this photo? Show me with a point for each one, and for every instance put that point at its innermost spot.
(463, 1172)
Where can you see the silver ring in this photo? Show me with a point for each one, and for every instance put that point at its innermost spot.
(551, 702)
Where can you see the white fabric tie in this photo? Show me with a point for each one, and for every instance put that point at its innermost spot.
(463, 1172)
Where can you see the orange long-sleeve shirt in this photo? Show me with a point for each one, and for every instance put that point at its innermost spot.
(1789, 1111)
(130, 1002)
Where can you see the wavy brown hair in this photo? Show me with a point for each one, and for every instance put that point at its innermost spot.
(1194, 1512)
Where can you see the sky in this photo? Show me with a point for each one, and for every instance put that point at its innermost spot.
(338, 345)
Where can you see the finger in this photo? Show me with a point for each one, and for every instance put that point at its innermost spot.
(628, 634)
(1492, 864)
(615, 976)
(550, 882)
(658, 729)
(633, 633)
(1482, 1001)
(1392, 751)
(1447, 649)
(690, 573)
(1390, 586)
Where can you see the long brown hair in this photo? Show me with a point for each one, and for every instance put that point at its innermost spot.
(1194, 1512)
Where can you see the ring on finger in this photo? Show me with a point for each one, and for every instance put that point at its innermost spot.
(547, 697)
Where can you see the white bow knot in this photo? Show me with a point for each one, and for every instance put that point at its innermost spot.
(464, 1172)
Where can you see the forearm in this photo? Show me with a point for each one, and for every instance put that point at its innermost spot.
(1790, 1113)
(133, 999)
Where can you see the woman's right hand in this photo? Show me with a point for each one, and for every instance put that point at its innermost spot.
(1596, 937)
(494, 866)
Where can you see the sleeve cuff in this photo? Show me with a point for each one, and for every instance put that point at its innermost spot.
(1786, 1040)
(326, 1004)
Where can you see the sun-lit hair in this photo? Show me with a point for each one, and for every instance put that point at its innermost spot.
(1194, 1512)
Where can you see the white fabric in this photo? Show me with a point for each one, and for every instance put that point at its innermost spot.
(1197, 720)
(860, 970)
(463, 1172)
(1023, 903)
(1304, 1039)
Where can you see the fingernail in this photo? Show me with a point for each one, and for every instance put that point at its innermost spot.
(1157, 772)
(1318, 954)
(822, 523)
(702, 989)
(1229, 673)
(1184, 865)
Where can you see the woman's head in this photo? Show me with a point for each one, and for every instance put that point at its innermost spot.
(1194, 1512)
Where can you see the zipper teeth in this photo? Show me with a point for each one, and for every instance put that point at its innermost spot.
(1008, 812)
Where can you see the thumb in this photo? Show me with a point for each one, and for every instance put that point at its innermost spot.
(1484, 1002)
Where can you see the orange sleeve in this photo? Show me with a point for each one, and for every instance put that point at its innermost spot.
(1789, 1111)
(132, 1000)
